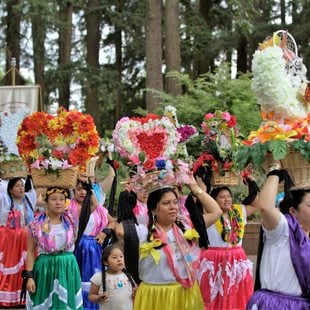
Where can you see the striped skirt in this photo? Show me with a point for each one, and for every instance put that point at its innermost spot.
(58, 283)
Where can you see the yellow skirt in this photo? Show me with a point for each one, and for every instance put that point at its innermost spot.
(167, 296)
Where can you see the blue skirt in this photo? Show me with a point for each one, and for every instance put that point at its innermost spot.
(88, 256)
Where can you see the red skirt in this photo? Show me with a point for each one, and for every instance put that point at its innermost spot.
(13, 251)
(226, 278)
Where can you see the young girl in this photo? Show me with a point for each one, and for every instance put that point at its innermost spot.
(113, 288)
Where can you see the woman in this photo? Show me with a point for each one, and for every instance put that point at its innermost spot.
(53, 278)
(284, 271)
(169, 252)
(225, 273)
(16, 211)
(93, 218)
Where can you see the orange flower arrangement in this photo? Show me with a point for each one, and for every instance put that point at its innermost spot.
(68, 139)
(277, 138)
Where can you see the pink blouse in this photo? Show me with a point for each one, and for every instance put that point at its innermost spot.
(97, 221)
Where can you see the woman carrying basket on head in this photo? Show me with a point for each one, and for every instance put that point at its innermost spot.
(283, 273)
(93, 218)
(169, 251)
(53, 278)
(16, 211)
(225, 274)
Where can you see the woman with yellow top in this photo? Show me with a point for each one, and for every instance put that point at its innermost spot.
(169, 252)
(225, 273)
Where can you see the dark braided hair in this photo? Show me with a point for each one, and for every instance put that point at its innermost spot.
(105, 255)
(126, 203)
(85, 210)
(196, 214)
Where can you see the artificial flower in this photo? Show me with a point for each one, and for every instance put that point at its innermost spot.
(220, 141)
(59, 142)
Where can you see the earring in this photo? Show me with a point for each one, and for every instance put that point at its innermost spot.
(154, 218)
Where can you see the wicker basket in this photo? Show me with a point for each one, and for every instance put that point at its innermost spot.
(13, 169)
(229, 178)
(90, 167)
(64, 178)
(298, 168)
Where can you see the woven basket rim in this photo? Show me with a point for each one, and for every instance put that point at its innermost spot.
(67, 178)
(6, 171)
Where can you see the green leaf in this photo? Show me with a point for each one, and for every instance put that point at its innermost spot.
(258, 153)
(278, 148)
(142, 157)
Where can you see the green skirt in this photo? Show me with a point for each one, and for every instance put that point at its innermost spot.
(58, 283)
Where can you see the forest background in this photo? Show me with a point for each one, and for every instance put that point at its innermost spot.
(131, 57)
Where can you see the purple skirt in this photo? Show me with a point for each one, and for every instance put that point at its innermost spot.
(264, 299)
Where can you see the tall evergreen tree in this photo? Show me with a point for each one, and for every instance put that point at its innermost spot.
(172, 45)
(153, 42)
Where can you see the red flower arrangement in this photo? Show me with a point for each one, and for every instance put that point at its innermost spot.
(68, 139)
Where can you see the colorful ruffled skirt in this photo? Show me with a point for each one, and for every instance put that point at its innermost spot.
(167, 296)
(13, 251)
(88, 255)
(58, 283)
(264, 299)
(225, 277)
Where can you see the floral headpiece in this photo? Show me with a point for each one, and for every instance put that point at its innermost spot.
(220, 140)
(187, 132)
(57, 142)
(149, 143)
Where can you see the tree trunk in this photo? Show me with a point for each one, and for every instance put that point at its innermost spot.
(65, 44)
(119, 69)
(205, 62)
(282, 12)
(153, 37)
(12, 41)
(242, 55)
(38, 38)
(172, 45)
(187, 59)
(93, 36)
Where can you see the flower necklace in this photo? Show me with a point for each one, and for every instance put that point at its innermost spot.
(41, 228)
(232, 231)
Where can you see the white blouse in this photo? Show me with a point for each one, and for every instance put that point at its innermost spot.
(152, 273)
(276, 270)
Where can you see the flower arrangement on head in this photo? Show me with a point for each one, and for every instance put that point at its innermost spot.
(279, 78)
(57, 142)
(282, 91)
(220, 141)
(149, 143)
(187, 132)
